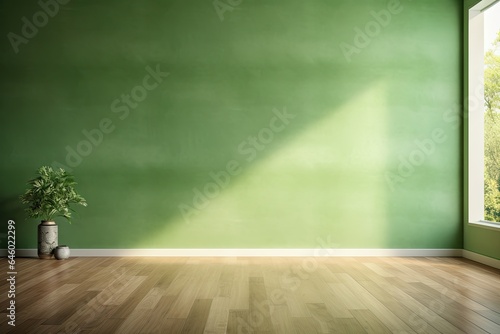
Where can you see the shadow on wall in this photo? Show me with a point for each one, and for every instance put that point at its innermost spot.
(161, 111)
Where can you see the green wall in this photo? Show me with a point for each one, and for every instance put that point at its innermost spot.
(365, 153)
(484, 241)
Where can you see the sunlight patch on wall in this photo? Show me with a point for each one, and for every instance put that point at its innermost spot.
(348, 149)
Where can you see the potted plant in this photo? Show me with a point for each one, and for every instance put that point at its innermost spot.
(50, 195)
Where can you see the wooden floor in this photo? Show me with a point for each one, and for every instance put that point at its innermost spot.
(253, 295)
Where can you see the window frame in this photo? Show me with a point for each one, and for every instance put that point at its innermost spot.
(475, 106)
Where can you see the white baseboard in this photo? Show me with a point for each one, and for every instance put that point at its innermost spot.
(259, 252)
(250, 252)
(489, 261)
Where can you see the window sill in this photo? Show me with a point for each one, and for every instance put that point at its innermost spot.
(485, 224)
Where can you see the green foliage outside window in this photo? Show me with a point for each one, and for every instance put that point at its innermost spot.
(492, 132)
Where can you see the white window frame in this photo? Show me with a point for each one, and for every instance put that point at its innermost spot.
(475, 102)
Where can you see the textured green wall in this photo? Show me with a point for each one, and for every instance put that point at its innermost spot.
(320, 120)
(477, 239)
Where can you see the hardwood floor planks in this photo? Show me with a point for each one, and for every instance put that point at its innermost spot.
(134, 323)
(451, 313)
(427, 313)
(109, 325)
(413, 320)
(305, 325)
(238, 322)
(72, 305)
(218, 317)
(210, 286)
(197, 318)
(282, 320)
(347, 325)
(324, 320)
(490, 315)
(239, 287)
(370, 322)
(255, 295)
(157, 317)
(186, 295)
(260, 310)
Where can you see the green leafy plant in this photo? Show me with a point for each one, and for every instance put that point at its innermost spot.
(51, 194)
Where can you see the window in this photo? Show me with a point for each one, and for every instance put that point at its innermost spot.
(484, 113)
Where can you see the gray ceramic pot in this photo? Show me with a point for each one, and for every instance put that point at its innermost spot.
(61, 252)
